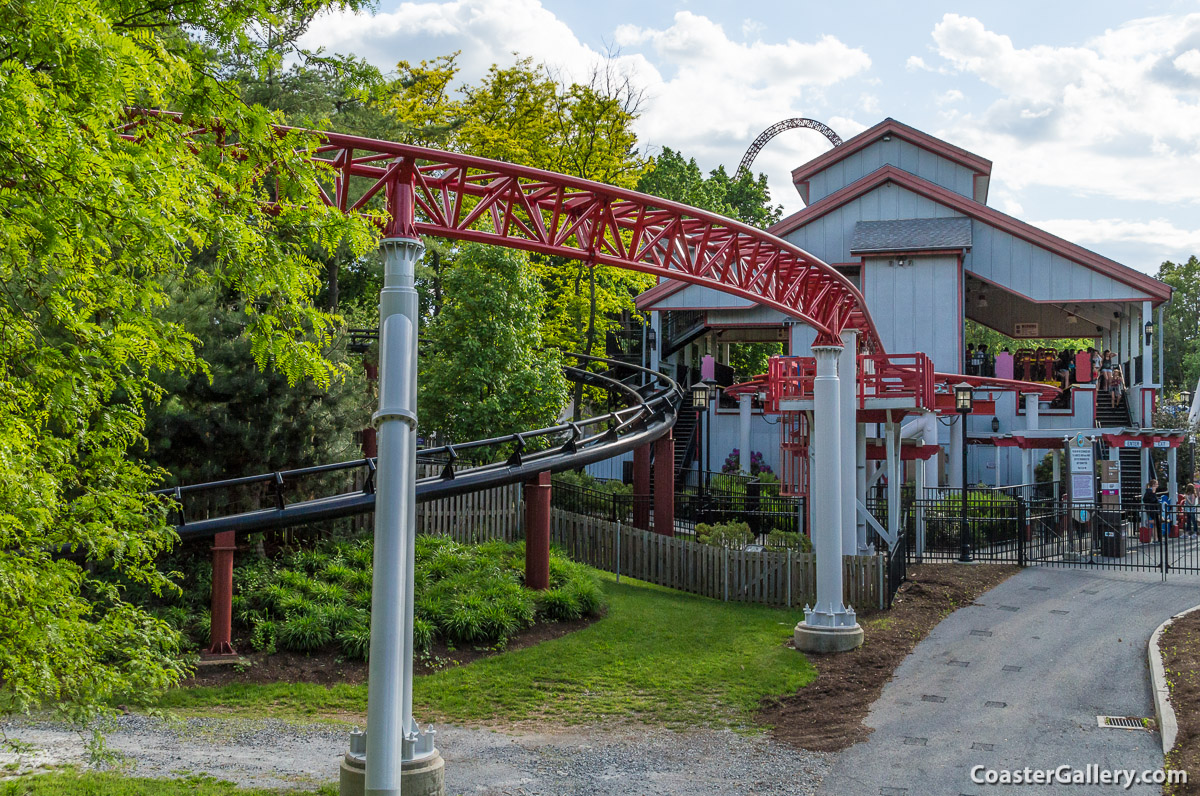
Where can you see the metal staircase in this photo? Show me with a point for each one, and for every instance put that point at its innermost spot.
(1116, 415)
(685, 440)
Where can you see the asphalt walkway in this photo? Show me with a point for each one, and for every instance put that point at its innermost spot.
(1017, 680)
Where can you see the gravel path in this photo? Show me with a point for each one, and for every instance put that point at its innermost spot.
(569, 763)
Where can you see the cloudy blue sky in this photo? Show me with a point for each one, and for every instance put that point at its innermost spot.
(1090, 111)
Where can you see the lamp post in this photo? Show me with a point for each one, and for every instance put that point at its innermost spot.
(699, 392)
(964, 400)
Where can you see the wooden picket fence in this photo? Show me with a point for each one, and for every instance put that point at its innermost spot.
(781, 578)
(475, 517)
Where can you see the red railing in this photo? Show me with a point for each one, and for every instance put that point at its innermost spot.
(789, 378)
(880, 376)
(895, 376)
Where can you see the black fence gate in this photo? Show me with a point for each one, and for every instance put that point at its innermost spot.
(1045, 531)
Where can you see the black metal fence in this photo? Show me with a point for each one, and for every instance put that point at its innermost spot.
(1047, 531)
(701, 498)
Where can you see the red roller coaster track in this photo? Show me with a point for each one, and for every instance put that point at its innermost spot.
(475, 199)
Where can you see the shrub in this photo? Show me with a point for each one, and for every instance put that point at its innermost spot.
(263, 636)
(328, 593)
(730, 534)
(304, 633)
(464, 594)
(758, 465)
(355, 642)
(339, 573)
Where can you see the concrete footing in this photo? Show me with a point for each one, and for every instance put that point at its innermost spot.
(821, 640)
(424, 777)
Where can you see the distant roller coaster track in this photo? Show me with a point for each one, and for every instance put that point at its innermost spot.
(776, 129)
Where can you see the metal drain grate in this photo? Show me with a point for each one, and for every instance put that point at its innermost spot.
(1122, 722)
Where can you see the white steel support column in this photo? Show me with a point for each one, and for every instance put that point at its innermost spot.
(954, 468)
(848, 400)
(860, 480)
(997, 484)
(891, 450)
(744, 432)
(1147, 353)
(829, 625)
(1147, 470)
(1173, 476)
(928, 475)
(1031, 424)
(1056, 471)
(392, 735)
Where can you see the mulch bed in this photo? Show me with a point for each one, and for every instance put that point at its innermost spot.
(1180, 647)
(827, 714)
(327, 667)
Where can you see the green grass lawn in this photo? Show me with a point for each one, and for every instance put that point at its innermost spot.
(92, 783)
(659, 657)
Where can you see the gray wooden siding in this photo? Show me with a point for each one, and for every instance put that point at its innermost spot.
(699, 297)
(1037, 273)
(915, 307)
(900, 154)
(828, 237)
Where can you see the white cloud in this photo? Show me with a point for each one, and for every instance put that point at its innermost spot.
(916, 63)
(1118, 115)
(708, 95)
(485, 31)
(752, 29)
(1142, 244)
(1189, 62)
(950, 97)
(1158, 232)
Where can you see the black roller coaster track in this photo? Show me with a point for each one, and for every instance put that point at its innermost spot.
(776, 129)
(650, 414)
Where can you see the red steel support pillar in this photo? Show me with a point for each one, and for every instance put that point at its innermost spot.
(664, 485)
(221, 622)
(537, 532)
(641, 487)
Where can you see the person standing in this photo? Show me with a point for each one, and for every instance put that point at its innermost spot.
(1191, 506)
(970, 360)
(1150, 505)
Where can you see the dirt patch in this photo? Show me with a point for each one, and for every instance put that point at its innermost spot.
(1180, 647)
(827, 714)
(328, 667)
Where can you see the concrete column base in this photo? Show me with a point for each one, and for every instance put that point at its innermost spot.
(822, 640)
(424, 777)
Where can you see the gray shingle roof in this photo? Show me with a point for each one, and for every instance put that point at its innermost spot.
(911, 234)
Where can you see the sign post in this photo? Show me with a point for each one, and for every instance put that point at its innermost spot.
(1081, 463)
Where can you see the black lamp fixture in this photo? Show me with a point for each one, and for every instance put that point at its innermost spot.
(1149, 331)
(964, 402)
(964, 397)
(995, 425)
(699, 395)
(651, 338)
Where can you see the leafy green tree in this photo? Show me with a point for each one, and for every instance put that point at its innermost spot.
(486, 371)
(978, 334)
(96, 232)
(750, 359)
(521, 115)
(1181, 337)
(746, 199)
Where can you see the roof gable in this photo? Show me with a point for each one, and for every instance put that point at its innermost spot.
(1159, 291)
(893, 143)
